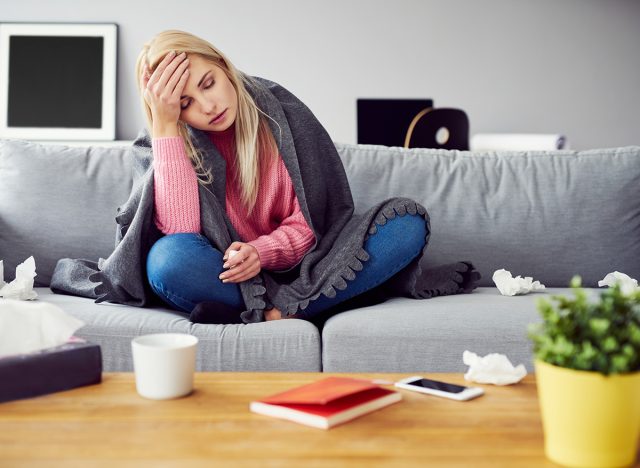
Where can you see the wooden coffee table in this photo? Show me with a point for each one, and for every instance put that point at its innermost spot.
(110, 425)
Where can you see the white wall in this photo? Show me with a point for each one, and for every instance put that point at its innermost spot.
(542, 66)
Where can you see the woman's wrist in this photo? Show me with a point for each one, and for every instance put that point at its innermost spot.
(165, 130)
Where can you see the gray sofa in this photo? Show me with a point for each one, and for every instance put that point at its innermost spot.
(543, 214)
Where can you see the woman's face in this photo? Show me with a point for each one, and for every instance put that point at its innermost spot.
(207, 95)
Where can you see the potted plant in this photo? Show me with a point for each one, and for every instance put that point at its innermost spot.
(587, 362)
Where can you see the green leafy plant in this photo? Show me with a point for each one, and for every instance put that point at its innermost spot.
(601, 336)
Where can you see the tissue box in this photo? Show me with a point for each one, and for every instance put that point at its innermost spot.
(70, 365)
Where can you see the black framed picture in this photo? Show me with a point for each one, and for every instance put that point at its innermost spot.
(58, 81)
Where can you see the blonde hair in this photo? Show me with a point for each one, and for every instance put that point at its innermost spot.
(255, 146)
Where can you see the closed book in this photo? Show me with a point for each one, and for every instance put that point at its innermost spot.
(63, 367)
(327, 402)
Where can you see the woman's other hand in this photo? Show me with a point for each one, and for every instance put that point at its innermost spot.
(162, 91)
(244, 265)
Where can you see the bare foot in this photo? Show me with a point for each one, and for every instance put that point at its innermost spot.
(273, 314)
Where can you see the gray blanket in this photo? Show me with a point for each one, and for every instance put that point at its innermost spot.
(325, 198)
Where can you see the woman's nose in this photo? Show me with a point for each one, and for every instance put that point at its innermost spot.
(207, 106)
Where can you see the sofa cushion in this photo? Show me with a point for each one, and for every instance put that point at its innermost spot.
(58, 201)
(281, 345)
(545, 214)
(407, 335)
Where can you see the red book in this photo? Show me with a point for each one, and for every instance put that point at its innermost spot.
(327, 402)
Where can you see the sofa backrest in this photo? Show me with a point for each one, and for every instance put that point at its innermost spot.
(548, 215)
(58, 201)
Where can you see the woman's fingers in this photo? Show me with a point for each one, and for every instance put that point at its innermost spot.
(243, 273)
(169, 70)
(176, 76)
(247, 275)
(157, 73)
(162, 88)
(243, 265)
(180, 78)
(235, 246)
(234, 260)
(238, 268)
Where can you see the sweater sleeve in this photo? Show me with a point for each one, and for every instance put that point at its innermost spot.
(177, 205)
(286, 245)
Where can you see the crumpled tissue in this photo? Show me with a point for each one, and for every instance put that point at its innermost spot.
(31, 326)
(628, 285)
(510, 286)
(493, 368)
(21, 287)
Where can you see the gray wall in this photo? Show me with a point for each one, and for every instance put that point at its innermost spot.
(543, 66)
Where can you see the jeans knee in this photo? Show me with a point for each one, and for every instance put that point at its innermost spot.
(164, 257)
(412, 231)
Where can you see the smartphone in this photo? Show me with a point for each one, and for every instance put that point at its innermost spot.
(418, 383)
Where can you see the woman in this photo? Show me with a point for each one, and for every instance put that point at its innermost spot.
(241, 210)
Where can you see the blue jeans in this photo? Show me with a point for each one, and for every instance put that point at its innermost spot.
(183, 269)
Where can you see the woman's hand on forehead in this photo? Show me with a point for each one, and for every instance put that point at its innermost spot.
(163, 87)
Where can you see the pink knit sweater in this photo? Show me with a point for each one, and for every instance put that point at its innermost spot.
(276, 227)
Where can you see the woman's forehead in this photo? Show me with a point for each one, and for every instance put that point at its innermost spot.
(201, 62)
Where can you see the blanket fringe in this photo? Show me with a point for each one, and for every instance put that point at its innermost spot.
(338, 280)
(413, 281)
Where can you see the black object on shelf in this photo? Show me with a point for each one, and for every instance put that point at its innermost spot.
(386, 121)
(425, 130)
(50, 370)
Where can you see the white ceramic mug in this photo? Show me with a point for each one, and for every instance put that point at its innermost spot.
(164, 364)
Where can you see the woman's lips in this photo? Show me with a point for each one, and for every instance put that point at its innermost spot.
(219, 118)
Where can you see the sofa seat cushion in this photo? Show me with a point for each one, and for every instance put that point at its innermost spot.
(407, 335)
(283, 345)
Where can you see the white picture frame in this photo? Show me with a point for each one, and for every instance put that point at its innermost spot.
(81, 104)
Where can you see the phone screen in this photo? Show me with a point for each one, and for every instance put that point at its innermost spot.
(437, 385)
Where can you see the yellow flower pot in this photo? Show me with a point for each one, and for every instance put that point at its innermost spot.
(589, 419)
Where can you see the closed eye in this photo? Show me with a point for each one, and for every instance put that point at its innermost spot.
(186, 102)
